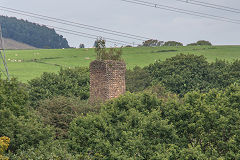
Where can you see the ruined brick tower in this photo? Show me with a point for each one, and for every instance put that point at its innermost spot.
(107, 79)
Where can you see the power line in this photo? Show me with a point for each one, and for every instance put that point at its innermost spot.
(81, 35)
(216, 5)
(92, 36)
(210, 5)
(178, 10)
(70, 23)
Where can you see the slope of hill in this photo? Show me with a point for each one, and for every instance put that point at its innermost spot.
(27, 64)
(12, 44)
(31, 33)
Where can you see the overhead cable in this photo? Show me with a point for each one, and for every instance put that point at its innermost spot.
(75, 24)
(179, 10)
(92, 36)
(210, 5)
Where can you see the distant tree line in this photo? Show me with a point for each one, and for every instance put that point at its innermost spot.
(31, 33)
(201, 43)
(155, 43)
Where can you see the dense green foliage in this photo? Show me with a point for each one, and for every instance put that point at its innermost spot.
(68, 82)
(137, 79)
(184, 73)
(31, 33)
(152, 43)
(184, 108)
(60, 111)
(210, 121)
(51, 150)
(172, 43)
(129, 127)
(18, 122)
(201, 43)
(199, 126)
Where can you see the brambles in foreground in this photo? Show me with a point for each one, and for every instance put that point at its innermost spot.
(60, 111)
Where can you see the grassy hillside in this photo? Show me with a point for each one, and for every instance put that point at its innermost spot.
(27, 64)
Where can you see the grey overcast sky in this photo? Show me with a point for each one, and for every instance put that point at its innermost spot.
(135, 19)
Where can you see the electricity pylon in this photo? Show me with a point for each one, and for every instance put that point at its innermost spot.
(3, 67)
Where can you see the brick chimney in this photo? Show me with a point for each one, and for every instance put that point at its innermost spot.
(107, 80)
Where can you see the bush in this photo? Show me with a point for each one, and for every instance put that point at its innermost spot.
(209, 121)
(185, 73)
(13, 97)
(152, 43)
(182, 73)
(68, 83)
(161, 92)
(51, 150)
(200, 43)
(18, 122)
(137, 79)
(60, 111)
(203, 43)
(199, 126)
(25, 131)
(130, 127)
(172, 43)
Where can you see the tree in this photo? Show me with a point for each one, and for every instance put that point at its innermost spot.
(203, 43)
(130, 127)
(18, 121)
(172, 43)
(200, 43)
(137, 79)
(152, 43)
(68, 82)
(81, 46)
(31, 33)
(104, 54)
(209, 121)
(60, 111)
(182, 73)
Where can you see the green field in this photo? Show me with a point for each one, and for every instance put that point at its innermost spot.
(28, 64)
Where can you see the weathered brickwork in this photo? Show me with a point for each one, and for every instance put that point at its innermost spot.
(107, 80)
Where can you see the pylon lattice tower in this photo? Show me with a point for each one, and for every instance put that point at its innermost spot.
(3, 62)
